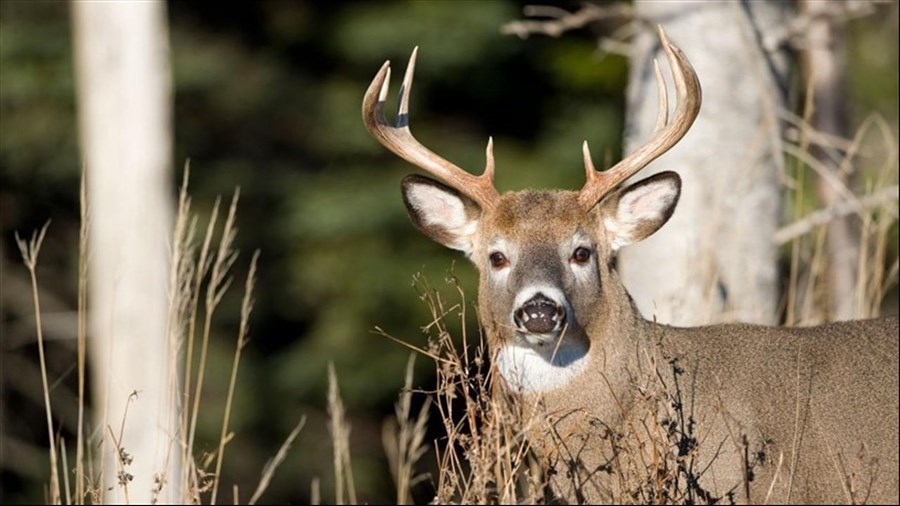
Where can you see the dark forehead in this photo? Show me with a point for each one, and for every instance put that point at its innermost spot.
(544, 212)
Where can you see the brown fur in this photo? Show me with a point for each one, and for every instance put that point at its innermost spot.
(805, 415)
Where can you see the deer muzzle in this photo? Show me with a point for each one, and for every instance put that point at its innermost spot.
(540, 315)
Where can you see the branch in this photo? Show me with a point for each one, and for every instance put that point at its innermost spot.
(843, 208)
(562, 21)
(795, 32)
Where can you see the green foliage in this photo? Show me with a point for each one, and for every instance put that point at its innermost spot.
(453, 35)
(268, 98)
(871, 71)
(39, 141)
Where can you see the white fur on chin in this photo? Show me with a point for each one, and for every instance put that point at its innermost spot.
(529, 369)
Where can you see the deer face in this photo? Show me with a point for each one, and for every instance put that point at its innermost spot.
(543, 259)
(544, 256)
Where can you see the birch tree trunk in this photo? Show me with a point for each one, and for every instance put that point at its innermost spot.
(124, 111)
(715, 260)
(825, 70)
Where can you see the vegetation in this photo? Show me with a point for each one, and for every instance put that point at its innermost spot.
(267, 99)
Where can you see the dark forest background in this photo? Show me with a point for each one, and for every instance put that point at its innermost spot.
(267, 99)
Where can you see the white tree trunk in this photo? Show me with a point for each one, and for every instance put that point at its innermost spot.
(715, 260)
(124, 105)
(825, 72)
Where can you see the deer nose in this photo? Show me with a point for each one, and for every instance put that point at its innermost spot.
(540, 315)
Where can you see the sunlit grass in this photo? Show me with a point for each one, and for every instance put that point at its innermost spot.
(190, 276)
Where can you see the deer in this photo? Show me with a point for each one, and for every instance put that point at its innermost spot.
(752, 413)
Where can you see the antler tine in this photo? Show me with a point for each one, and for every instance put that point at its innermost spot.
(489, 160)
(662, 116)
(666, 135)
(400, 140)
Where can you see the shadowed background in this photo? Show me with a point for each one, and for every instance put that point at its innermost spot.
(267, 97)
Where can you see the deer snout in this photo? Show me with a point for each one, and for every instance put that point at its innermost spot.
(540, 315)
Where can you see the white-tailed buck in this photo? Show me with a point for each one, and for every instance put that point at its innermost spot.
(732, 412)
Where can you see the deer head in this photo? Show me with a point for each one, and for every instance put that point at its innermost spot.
(544, 256)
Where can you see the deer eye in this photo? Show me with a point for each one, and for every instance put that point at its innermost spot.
(498, 260)
(581, 255)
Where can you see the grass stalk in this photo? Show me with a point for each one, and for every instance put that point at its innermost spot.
(30, 252)
(202, 268)
(216, 288)
(405, 445)
(81, 337)
(65, 466)
(272, 465)
(181, 269)
(193, 271)
(340, 436)
(246, 308)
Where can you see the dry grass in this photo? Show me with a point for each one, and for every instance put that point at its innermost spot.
(340, 437)
(192, 272)
(30, 251)
(272, 465)
(872, 155)
(485, 457)
(246, 307)
(404, 439)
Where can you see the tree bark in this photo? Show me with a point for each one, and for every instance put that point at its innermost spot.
(825, 70)
(125, 124)
(715, 260)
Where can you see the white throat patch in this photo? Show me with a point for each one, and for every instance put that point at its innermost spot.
(528, 369)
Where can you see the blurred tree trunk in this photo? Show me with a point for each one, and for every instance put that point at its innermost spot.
(715, 260)
(125, 115)
(825, 70)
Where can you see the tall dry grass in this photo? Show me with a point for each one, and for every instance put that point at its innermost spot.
(339, 428)
(30, 251)
(195, 271)
(404, 439)
(871, 156)
(484, 455)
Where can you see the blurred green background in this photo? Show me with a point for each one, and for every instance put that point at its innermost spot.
(267, 98)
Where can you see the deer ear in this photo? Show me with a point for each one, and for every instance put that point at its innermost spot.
(442, 213)
(637, 211)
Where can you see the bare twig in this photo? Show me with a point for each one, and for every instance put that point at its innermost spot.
(794, 32)
(803, 226)
(813, 136)
(562, 21)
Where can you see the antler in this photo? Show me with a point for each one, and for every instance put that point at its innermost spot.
(399, 140)
(687, 89)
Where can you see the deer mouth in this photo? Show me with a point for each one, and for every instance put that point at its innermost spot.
(540, 320)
